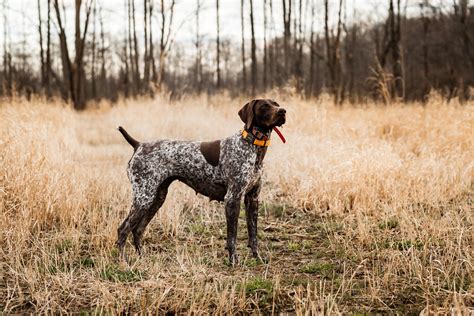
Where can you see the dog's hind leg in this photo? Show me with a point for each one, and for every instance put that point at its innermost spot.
(144, 196)
(139, 229)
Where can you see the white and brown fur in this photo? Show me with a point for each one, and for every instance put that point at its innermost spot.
(225, 170)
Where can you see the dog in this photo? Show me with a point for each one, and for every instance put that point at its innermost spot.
(225, 170)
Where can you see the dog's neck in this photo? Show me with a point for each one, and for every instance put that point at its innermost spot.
(257, 136)
(260, 138)
(260, 133)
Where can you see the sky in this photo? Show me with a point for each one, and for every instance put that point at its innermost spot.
(22, 16)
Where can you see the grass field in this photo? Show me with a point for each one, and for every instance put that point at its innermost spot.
(365, 209)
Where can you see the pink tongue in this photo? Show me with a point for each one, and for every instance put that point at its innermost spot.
(280, 134)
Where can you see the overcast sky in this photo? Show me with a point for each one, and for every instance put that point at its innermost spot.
(22, 17)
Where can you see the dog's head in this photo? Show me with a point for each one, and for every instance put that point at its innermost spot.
(263, 113)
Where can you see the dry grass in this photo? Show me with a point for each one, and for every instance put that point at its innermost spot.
(364, 209)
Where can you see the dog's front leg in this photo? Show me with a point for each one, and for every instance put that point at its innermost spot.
(232, 210)
(251, 211)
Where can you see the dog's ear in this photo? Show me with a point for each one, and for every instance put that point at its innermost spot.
(246, 113)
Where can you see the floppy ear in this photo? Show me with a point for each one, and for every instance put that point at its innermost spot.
(246, 113)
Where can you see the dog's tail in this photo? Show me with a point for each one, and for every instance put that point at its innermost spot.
(132, 141)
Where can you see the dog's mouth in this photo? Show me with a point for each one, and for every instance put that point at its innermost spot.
(281, 119)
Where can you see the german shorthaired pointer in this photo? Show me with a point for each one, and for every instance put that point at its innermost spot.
(223, 170)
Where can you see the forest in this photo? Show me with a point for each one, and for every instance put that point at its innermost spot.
(309, 47)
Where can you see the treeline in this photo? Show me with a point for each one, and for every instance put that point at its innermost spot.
(402, 58)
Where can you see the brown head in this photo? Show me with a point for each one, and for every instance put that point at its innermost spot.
(262, 113)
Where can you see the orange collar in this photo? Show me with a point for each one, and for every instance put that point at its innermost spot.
(250, 138)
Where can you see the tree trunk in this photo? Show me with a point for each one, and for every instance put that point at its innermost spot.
(265, 70)
(103, 72)
(78, 70)
(146, 66)
(333, 53)
(218, 85)
(7, 59)
(42, 59)
(130, 45)
(74, 72)
(151, 52)
(310, 86)
(254, 52)
(395, 42)
(286, 34)
(244, 69)
(162, 45)
(198, 65)
(93, 48)
(165, 39)
(299, 49)
(136, 50)
(48, 53)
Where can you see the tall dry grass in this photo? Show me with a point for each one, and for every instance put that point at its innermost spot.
(366, 208)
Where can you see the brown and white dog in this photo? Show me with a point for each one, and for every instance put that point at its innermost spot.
(223, 170)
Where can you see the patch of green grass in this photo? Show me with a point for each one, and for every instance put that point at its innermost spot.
(113, 273)
(258, 285)
(402, 245)
(114, 253)
(60, 267)
(253, 262)
(323, 269)
(389, 225)
(308, 244)
(277, 210)
(294, 246)
(64, 246)
(87, 262)
(300, 281)
(198, 228)
(226, 261)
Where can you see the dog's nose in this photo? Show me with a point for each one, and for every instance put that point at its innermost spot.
(281, 111)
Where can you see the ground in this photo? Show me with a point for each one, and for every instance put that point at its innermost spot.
(367, 208)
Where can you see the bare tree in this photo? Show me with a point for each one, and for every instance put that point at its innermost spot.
(93, 49)
(42, 59)
(165, 38)
(265, 70)
(395, 43)
(103, 72)
(333, 61)
(151, 52)
(7, 57)
(273, 50)
(298, 50)
(286, 33)
(312, 55)
(136, 54)
(74, 70)
(426, 21)
(132, 72)
(391, 44)
(244, 70)
(218, 57)
(254, 52)
(146, 65)
(198, 62)
(48, 53)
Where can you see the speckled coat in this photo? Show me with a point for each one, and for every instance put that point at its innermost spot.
(155, 165)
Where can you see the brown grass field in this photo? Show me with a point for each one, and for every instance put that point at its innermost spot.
(366, 209)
